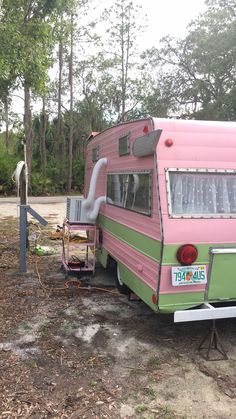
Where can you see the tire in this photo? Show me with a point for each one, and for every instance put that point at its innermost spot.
(119, 284)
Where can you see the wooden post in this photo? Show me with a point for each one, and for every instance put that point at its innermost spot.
(23, 191)
(22, 188)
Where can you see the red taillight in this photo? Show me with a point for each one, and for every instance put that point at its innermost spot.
(187, 254)
(154, 298)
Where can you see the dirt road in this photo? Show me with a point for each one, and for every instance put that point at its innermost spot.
(52, 208)
(80, 353)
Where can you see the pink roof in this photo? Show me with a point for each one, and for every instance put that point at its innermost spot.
(210, 143)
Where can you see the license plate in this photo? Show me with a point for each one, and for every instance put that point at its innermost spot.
(188, 275)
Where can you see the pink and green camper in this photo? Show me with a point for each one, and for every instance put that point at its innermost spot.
(163, 195)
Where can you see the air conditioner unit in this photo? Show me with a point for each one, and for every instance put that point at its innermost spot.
(75, 211)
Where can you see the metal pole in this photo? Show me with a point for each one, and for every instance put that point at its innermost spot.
(23, 237)
(24, 209)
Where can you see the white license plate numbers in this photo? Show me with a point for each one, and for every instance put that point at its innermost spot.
(188, 275)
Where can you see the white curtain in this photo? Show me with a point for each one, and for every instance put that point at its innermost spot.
(203, 193)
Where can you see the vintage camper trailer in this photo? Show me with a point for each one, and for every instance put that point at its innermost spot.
(163, 193)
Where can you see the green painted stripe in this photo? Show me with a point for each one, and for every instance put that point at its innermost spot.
(146, 245)
(168, 303)
(169, 253)
(132, 281)
(102, 256)
(222, 278)
(139, 287)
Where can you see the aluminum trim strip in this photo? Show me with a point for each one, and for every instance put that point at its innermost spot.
(223, 250)
(208, 312)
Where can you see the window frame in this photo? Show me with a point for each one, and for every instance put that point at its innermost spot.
(122, 137)
(194, 170)
(134, 172)
(95, 154)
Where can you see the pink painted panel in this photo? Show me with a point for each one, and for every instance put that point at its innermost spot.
(196, 144)
(196, 141)
(143, 267)
(109, 147)
(202, 155)
(193, 230)
(192, 127)
(167, 288)
(197, 231)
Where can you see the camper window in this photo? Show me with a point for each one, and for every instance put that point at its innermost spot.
(132, 191)
(124, 145)
(95, 154)
(202, 193)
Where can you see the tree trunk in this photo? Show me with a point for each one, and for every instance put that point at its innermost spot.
(71, 119)
(43, 127)
(6, 116)
(28, 130)
(60, 62)
(125, 55)
(122, 70)
(60, 138)
(22, 189)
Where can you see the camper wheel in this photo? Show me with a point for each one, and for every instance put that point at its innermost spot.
(119, 284)
(113, 267)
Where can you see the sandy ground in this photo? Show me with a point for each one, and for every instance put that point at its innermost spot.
(81, 353)
(53, 209)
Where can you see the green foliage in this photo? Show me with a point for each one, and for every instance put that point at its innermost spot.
(141, 408)
(7, 165)
(120, 81)
(41, 185)
(78, 174)
(27, 40)
(193, 77)
(201, 67)
(56, 171)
